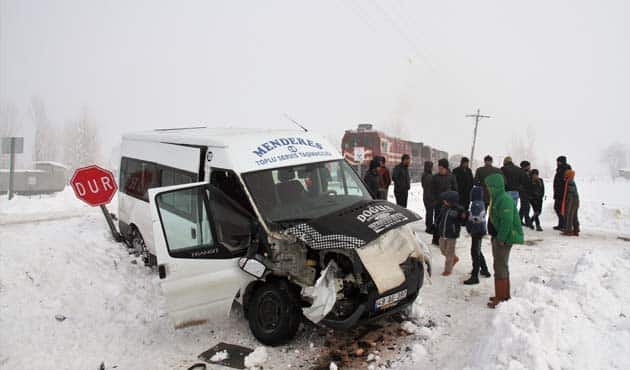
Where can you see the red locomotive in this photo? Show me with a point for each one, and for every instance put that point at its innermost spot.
(377, 143)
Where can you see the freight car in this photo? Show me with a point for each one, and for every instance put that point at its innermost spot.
(377, 143)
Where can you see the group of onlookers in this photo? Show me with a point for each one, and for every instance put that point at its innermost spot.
(485, 203)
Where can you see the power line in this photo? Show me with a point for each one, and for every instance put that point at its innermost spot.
(415, 47)
(478, 117)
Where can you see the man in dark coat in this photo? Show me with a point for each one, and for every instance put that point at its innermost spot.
(427, 195)
(525, 196)
(441, 182)
(402, 181)
(482, 173)
(464, 176)
(515, 178)
(558, 189)
(372, 179)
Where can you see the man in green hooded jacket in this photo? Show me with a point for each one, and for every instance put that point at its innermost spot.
(504, 225)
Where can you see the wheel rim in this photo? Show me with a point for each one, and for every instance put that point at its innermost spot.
(138, 244)
(269, 312)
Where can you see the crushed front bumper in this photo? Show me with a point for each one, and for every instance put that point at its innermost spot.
(367, 311)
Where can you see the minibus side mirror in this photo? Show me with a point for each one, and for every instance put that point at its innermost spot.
(253, 267)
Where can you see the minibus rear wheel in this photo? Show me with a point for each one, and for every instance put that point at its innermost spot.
(273, 313)
(139, 247)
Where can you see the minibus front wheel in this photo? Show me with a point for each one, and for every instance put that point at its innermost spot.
(274, 313)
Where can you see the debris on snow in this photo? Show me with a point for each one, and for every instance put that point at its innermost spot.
(256, 358)
(60, 318)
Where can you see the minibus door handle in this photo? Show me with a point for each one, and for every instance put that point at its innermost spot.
(162, 271)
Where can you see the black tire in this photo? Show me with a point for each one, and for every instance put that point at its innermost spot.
(273, 313)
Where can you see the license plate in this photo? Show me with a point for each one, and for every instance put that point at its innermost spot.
(390, 300)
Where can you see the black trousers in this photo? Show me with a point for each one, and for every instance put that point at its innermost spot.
(436, 220)
(401, 197)
(524, 211)
(557, 206)
(428, 216)
(537, 207)
(478, 260)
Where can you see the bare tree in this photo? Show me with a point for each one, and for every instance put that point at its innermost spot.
(521, 147)
(80, 142)
(9, 115)
(615, 158)
(46, 147)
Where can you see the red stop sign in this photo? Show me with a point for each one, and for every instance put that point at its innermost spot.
(94, 185)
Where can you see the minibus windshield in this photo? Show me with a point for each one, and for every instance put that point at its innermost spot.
(304, 192)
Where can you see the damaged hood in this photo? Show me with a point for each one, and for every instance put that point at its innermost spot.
(353, 227)
(383, 234)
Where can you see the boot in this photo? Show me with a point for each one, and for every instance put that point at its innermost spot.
(472, 280)
(502, 292)
(538, 228)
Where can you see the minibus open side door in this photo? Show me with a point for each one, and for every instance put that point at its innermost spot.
(199, 276)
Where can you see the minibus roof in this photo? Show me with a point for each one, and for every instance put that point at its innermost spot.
(247, 149)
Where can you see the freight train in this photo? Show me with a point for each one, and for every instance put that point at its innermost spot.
(377, 143)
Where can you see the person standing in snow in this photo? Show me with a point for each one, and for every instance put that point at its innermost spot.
(441, 182)
(506, 230)
(373, 179)
(524, 196)
(476, 227)
(515, 179)
(536, 195)
(558, 189)
(570, 205)
(386, 179)
(452, 217)
(402, 181)
(464, 176)
(427, 196)
(482, 173)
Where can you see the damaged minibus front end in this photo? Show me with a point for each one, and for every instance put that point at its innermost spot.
(350, 266)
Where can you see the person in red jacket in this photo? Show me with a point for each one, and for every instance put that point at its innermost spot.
(385, 178)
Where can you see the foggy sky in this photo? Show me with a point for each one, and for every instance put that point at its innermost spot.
(410, 67)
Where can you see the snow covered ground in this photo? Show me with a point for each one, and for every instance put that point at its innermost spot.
(570, 305)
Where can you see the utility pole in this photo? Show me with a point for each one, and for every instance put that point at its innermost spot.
(477, 118)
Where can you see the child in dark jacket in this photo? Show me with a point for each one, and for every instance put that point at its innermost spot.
(476, 227)
(570, 205)
(452, 218)
(536, 194)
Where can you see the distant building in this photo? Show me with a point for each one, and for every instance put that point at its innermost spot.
(47, 177)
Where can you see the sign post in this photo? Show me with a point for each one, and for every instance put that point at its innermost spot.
(12, 146)
(359, 156)
(96, 186)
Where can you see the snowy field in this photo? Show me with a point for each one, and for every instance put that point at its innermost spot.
(570, 310)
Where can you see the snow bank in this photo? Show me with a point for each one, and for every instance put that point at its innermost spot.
(41, 207)
(578, 321)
